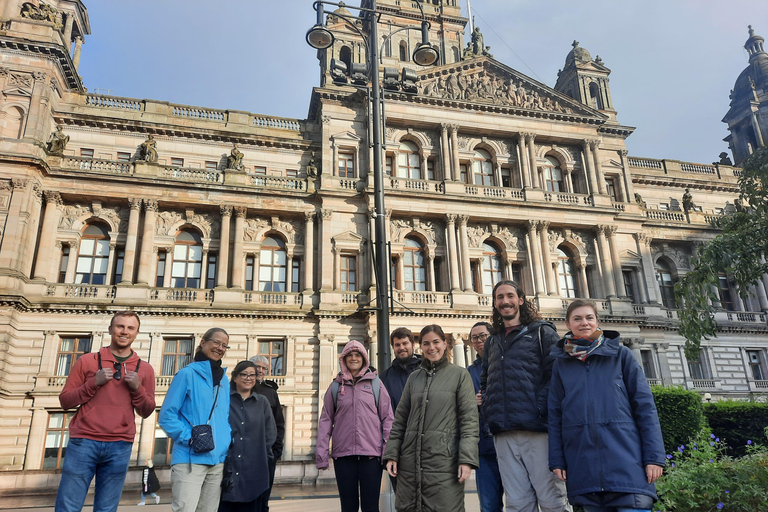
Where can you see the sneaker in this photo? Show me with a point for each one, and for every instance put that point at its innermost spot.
(157, 500)
(140, 504)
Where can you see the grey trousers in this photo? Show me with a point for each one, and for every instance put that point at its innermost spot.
(529, 485)
(196, 487)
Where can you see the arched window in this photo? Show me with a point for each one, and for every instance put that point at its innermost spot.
(594, 96)
(565, 274)
(408, 161)
(93, 256)
(345, 56)
(403, 51)
(187, 260)
(414, 269)
(456, 55)
(666, 284)
(553, 175)
(272, 265)
(492, 268)
(482, 168)
(14, 122)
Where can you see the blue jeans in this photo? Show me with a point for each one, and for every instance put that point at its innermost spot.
(489, 487)
(84, 459)
(615, 509)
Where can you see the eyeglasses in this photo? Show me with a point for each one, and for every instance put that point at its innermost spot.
(248, 375)
(262, 368)
(116, 375)
(478, 337)
(219, 344)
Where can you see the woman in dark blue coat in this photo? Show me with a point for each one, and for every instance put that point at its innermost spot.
(604, 435)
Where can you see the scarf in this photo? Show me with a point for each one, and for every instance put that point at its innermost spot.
(216, 369)
(582, 347)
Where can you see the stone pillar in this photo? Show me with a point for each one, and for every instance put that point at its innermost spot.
(336, 269)
(168, 277)
(644, 249)
(589, 167)
(326, 263)
(497, 172)
(532, 164)
(643, 295)
(68, 23)
(594, 145)
(423, 163)
(524, 169)
(288, 271)
(616, 261)
(147, 244)
(583, 285)
(445, 153)
(549, 273)
(756, 128)
(223, 271)
(203, 268)
(76, 55)
(69, 274)
(569, 180)
(38, 114)
(459, 356)
(238, 261)
(29, 240)
(536, 263)
(309, 251)
(431, 272)
(111, 262)
(630, 189)
(453, 253)
(605, 259)
(466, 271)
(131, 239)
(400, 277)
(43, 264)
(455, 152)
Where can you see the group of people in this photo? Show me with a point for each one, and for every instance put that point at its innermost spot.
(227, 436)
(546, 422)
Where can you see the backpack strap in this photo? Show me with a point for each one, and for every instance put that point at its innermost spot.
(335, 394)
(375, 386)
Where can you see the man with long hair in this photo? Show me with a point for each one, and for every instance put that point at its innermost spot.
(514, 386)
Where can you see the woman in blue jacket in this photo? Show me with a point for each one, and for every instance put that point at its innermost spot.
(198, 395)
(604, 435)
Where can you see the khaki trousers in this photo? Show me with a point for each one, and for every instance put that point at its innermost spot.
(196, 487)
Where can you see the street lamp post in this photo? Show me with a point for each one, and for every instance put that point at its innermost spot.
(319, 37)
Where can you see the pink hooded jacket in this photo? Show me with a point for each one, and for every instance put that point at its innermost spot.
(357, 425)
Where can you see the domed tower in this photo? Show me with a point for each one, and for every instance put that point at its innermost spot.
(747, 118)
(586, 80)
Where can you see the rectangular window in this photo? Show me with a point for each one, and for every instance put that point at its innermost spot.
(161, 258)
(211, 165)
(647, 361)
(64, 263)
(292, 173)
(517, 274)
(123, 156)
(697, 369)
(756, 364)
(177, 353)
(296, 275)
(506, 177)
(464, 173)
(70, 350)
(610, 185)
(262, 171)
(161, 451)
(388, 165)
(249, 266)
(177, 162)
(86, 153)
(663, 206)
(431, 169)
(724, 289)
(56, 439)
(119, 262)
(346, 165)
(629, 284)
(348, 273)
(274, 351)
(210, 274)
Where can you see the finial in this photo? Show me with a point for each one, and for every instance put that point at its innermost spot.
(751, 32)
(575, 43)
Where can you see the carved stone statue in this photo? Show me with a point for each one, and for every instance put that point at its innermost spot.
(235, 159)
(148, 150)
(639, 200)
(57, 141)
(688, 203)
(739, 205)
(724, 159)
(476, 47)
(311, 167)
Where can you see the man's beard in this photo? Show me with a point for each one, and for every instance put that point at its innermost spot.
(404, 357)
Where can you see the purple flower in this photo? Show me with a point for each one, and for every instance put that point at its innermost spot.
(726, 492)
(710, 460)
(720, 505)
(749, 441)
(673, 464)
(717, 440)
(711, 443)
(680, 448)
(712, 436)
(669, 456)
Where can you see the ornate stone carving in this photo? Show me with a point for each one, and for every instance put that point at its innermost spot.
(398, 228)
(52, 197)
(464, 142)
(150, 205)
(225, 211)
(253, 227)
(134, 203)
(285, 227)
(148, 150)
(117, 217)
(241, 211)
(389, 133)
(326, 213)
(57, 141)
(42, 12)
(434, 231)
(164, 221)
(235, 159)
(70, 214)
(22, 80)
(476, 235)
(514, 239)
(476, 46)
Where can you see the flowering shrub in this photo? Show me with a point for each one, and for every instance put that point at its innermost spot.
(701, 478)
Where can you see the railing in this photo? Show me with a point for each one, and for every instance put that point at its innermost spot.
(277, 122)
(186, 174)
(199, 113)
(349, 183)
(602, 305)
(638, 310)
(415, 185)
(673, 314)
(349, 298)
(738, 173)
(114, 102)
(653, 382)
(494, 192)
(703, 383)
(665, 215)
(94, 164)
(81, 291)
(57, 381)
(698, 168)
(163, 381)
(274, 298)
(484, 300)
(432, 298)
(620, 207)
(181, 295)
(761, 384)
(747, 317)
(645, 163)
(279, 182)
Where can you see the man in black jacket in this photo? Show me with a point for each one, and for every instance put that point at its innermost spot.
(268, 388)
(517, 367)
(395, 377)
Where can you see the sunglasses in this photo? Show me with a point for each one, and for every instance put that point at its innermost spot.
(117, 375)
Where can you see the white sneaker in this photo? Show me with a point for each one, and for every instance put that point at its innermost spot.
(157, 500)
(140, 504)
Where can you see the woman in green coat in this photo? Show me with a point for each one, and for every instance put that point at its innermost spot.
(432, 447)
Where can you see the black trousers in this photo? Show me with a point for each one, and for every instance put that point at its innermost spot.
(262, 504)
(359, 481)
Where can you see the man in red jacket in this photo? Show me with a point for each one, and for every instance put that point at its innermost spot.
(108, 386)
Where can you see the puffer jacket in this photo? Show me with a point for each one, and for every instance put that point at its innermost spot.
(357, 425)
(486, 446)
(515, 379)
(603, 424)
(188, 402)
(395, 377)
(435, 430)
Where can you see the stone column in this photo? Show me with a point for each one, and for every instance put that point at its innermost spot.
(643, 295)
(605, 259)
(68, 23)
(644, 249)
(147, 244)
(131, 239)
(616, 261)
(629, 187)
(497, 172)
(583, 285)
(431, 272)
(288, 271)
(76, 55)
(111, 262)
(589, 167)
(447, 174)
(326, 263)
(168, 277)
(465, 264)
(455, 152)
(594, 145)
(203, 268)
(756, 128)
(309, 250)
(536, 263)
(569, 180)
(400, 277)
(29, 241)
(524, 169)
(38, 115)
(223, 271)
(761, 296)
(549, 273)
(423, 163)
(43, 264)
(459, 355)
(532, 164)
(237, 253)
(453, 252)
(336, 269)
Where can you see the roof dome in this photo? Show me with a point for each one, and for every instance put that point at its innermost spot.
(578, 55)
(756, 73)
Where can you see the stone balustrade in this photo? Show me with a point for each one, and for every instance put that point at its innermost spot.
(97, 165)
(273, 298)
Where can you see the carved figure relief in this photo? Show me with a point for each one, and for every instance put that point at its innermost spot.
(398, 228)
(513, 239)
(57, 142)
(235, 159)
(42, 12)
(476, 235)
(70, 213)
(164, 221)
(253, 227)
(148, 150)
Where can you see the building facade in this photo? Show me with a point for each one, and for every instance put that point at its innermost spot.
(197, 217)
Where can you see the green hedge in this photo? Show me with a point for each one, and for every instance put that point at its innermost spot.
(736, 423)
(680, 415)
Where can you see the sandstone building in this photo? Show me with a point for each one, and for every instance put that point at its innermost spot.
(149, 205)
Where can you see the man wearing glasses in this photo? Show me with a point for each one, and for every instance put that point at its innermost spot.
(268, 388)
(109, 386)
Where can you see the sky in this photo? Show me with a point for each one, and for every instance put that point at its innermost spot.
(673, 62)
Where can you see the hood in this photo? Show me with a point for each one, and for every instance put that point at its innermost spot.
(353, 346)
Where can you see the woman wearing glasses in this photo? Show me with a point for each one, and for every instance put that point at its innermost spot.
(199, 396)
(253, 433)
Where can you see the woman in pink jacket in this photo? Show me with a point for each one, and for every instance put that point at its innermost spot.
(357, 412)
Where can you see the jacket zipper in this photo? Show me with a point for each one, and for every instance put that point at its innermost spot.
(595, 437)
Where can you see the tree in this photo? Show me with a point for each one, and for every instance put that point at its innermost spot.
(739, 251)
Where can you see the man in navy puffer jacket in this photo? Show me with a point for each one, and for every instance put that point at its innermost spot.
(517, 367)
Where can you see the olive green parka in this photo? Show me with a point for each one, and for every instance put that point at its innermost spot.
(435, 430)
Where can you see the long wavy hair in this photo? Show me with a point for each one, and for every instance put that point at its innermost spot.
(528, 312)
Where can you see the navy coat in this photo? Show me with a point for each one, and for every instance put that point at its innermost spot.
(603, 424)
(485, 446)
(515, 379)
(395, 377)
